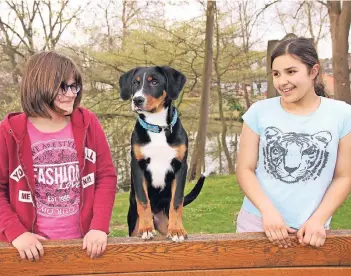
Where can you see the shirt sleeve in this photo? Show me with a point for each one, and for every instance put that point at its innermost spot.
(106, 182)
(10, 224)
(251, 117)
(346, 126)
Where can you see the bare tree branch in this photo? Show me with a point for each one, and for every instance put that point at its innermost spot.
(299, 8)
(323, 3)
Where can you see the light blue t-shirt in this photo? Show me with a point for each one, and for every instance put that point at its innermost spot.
(297, 155)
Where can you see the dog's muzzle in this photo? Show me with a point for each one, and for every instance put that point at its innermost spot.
(138, 101)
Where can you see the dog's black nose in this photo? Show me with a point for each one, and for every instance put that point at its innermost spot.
(138, 101)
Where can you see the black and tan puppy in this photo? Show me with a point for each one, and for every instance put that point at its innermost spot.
(159, 149)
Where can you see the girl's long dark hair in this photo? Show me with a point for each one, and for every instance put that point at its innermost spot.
(303, 49)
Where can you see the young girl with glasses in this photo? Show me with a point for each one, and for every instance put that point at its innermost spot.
(57, 177)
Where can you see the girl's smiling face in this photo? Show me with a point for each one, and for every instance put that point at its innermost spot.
(65, 99)
(292, 79)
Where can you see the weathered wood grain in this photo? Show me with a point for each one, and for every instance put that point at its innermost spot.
(199, 252)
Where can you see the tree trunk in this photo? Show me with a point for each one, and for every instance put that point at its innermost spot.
(235, 150)
(246, 96)
(219, 148)
(220, 102)
(124, 23)
(200, 142)
(224, 129)
(340, 20)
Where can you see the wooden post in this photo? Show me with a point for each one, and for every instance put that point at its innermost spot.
(271, 92)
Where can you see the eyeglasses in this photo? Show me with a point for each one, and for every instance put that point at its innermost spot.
(73, 87)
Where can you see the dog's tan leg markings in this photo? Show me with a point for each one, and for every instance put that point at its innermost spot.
(180, 152)
(138, 152)
(136, 229)
(176, 229)
(145, 217)
(145, 222)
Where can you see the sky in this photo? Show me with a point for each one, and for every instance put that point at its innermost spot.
(180, 10)
(271, 30)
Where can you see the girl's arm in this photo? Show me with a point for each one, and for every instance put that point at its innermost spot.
(95, 241)
(247, 160)
(27, 244)
(313, 232)
(106, 182)
(274, 225)
(10, 223)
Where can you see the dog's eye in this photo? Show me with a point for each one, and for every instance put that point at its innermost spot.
(135, 83)
(154, 82)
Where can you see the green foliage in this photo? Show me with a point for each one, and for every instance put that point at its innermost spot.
(9, 101)
(234, 104)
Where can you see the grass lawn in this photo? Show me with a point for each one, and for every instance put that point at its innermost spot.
(215, 209)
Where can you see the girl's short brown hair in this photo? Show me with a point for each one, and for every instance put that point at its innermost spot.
(43, 75)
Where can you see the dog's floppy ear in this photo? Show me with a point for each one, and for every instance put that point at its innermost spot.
(175, 81)
(125, 84)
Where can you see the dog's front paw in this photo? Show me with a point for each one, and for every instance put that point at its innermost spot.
(177, 235)
(147, 234)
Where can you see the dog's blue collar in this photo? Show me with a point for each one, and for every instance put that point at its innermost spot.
(158, 129)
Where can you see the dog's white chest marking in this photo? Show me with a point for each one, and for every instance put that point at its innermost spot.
(159, 152)
(161, 155)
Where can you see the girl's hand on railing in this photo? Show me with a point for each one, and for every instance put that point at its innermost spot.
(29, 246)
(95, 241)
(276, 229)
(312, 233)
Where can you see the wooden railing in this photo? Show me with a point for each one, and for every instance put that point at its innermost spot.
(248, 254)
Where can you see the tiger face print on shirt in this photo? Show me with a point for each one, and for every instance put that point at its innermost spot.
(292, 157)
